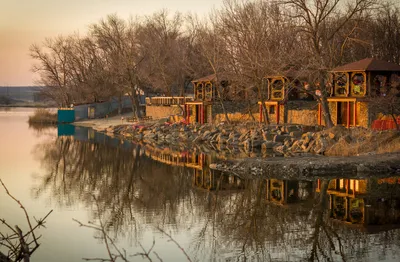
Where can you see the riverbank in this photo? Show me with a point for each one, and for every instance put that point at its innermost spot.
(308, 151)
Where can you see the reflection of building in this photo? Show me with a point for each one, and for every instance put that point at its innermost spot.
(216, 180)
(288, 191)
(175, 158)
(285, 103)
(364, 201)
(354, 83)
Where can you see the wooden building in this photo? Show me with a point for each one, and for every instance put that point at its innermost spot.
(200, 109)
(285, 103)
(353, 86)
(373, 201)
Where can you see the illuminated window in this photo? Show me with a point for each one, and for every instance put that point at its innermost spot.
(341, 183)
(358, 84)
(341, 84)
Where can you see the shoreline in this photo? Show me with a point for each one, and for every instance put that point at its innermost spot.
(299, 165)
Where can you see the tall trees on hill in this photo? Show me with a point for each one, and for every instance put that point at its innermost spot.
(243, 41)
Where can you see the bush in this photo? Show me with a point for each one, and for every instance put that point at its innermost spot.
(43, 116)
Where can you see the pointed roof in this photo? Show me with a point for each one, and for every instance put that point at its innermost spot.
(368, 64)
(206, 78)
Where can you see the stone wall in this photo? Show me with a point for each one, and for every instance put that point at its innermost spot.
(296, 112)
(363, 114)
(333, 111)
(236, 117)
(157, 112)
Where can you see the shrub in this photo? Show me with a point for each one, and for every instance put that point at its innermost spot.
(43, 116)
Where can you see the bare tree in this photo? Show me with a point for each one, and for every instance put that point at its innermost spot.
(322, 22)
(55, 75)
(117, 40)
(19, 245)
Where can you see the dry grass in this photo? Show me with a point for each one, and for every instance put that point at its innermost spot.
(43, 116)
(359, 141)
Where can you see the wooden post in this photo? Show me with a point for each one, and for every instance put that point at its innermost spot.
(188, 114)
(319, 114)
(348, 114)
(277, 113)
(355, 113)
(202, 114)
(261, 114)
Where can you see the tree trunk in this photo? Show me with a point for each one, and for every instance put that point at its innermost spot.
(135, 104)
(222, 104)
(395, 121)
(265, 113)
(325, 111)
(119, 105)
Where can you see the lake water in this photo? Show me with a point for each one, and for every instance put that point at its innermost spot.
(141, 193)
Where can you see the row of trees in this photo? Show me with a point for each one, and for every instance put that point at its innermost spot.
(243, 41)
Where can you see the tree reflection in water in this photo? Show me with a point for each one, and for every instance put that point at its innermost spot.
(228, 217)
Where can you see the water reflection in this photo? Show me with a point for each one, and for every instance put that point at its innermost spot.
(222, 216)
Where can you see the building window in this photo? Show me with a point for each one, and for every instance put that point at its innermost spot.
(380, 85)
(271, 110)
(199, 91)
(208, 91)
(277, 91)
(358, 84)
(341, 84)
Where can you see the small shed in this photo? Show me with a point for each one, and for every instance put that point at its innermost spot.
(65, 115)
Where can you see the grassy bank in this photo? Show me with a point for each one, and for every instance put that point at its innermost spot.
(43, 116)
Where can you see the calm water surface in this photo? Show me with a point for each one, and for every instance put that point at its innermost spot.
(138, 193)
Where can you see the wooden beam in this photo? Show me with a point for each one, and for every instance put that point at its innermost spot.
(277, 114)
(355, 114)
(319, 114)
(348, 114)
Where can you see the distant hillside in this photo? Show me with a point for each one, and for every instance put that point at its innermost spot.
(22, 96)
(21, 93)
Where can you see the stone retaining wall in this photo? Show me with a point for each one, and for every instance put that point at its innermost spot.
(157, 112)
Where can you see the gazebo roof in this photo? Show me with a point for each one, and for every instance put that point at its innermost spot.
(206, 78)
(368, 64)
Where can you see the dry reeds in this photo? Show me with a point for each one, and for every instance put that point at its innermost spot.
(43, 116)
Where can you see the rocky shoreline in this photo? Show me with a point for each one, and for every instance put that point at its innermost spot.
(307, 151)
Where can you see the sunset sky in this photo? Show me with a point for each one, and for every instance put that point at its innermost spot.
(24, 22)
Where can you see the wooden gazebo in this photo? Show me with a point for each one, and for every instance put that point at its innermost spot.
(353, 86)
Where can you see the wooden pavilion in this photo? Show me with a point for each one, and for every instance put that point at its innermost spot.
(284, 101)
(353, 85)
(200, 109)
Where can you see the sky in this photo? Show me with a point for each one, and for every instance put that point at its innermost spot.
(25, 22)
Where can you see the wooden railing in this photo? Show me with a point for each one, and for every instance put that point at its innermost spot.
(167, 100)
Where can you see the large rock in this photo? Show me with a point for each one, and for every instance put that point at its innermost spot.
(269, 145)
(281, 138)
(289, 129)
(296, 134)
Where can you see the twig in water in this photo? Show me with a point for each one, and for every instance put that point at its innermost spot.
(176, 243)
